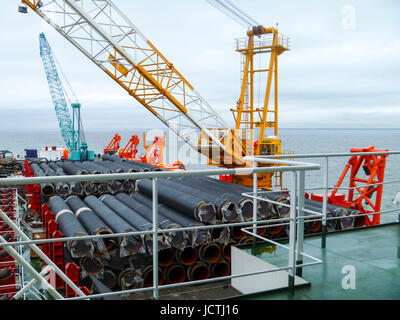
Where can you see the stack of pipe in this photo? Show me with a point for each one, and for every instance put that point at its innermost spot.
(46, 189)
(76, 188)
(199, 209)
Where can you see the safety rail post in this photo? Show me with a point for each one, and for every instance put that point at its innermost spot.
(300, 225)
(324, 202)
(255, 201)
(292, 232)
(155, 237)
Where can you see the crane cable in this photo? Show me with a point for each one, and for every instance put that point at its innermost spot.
(231, 10)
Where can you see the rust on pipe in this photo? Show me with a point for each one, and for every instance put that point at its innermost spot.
(166, 257)
(175, 273)
(246, 240)
(210, 252)
(226, 250)
(187, 256)
(198, 271)
(220, 269)
(237, 233)
(148, 276)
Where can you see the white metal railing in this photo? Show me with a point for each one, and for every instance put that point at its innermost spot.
(19, 275)
(325, 187)
(295, 240)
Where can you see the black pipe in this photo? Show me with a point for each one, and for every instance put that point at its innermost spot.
(108, 278)
(61, 188)
(175, 273)
(148, 276)
(220, 269)
(75, 188)
(127, 185)
(210, 252)
(187, 256)
(132, 217)
(198, 237)
(128, 244)
(227, 209)
(227, 191)
(166, 257)
(198, 271)
(92, 223)
(201, 210)
(70, 226)
(226, 249)
(98, 187)
(91, 265)
(47, 189)
(220, 235)
(72, 169)
(130, 279)
(175, 239)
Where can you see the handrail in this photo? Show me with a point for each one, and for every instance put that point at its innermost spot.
(286, 166)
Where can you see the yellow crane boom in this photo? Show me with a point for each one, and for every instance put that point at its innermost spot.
(107, 37)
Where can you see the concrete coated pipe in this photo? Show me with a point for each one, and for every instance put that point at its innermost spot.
(92, 223)
(128, 245)
(70, 226)
(197, 237)
(202, 211)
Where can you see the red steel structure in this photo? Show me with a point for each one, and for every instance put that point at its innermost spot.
(365, 193)
(113, 146)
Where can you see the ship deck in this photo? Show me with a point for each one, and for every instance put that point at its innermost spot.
(374, 253)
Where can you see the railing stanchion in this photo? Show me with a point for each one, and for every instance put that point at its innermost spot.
(155, 238)
(300, 224)
(292, 232)
(255, 201)
(324, 203)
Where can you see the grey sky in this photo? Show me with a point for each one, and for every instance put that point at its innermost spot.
(333, 76)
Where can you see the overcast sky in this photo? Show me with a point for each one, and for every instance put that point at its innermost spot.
(340, 72)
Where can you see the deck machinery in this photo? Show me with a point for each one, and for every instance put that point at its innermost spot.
(103, 33)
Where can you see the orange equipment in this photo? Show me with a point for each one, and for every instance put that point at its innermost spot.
(113, 146)
(374, 169)
(130, 149)
(154, 152)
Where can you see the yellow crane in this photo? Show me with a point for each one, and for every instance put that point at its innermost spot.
(104, 34)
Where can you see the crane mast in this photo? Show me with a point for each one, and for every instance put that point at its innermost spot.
(71, 128)
(56, 91)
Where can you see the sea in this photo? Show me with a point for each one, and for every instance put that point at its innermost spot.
(299, 141)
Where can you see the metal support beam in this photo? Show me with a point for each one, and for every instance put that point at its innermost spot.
(40, 253)
(36, 275)
(255, 201)
(300, 225)
(155, 237)
(325, 202)
(292, 232)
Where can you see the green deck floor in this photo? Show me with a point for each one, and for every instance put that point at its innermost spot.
(374, 253)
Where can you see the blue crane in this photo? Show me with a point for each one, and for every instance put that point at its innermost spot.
(71, 129)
